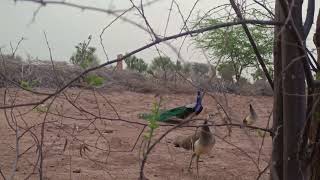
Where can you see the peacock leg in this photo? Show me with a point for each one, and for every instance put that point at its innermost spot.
(197, 166)
(191, 161)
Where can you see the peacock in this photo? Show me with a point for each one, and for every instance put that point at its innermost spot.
(251, 118)
(181, 112)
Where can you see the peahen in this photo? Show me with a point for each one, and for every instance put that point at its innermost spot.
(201, 142)
(181, 112)
(251, 118)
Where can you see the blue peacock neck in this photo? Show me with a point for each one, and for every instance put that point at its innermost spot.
(198, 106)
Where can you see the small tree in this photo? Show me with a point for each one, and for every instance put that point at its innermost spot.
(231, 45)
(136, 64)
(162, 65)
(84, 56)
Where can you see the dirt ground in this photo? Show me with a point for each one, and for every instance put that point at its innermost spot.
(111, 153)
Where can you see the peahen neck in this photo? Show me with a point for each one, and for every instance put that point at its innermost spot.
(205, 135)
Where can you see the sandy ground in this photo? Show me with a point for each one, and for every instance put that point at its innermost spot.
(110, 142)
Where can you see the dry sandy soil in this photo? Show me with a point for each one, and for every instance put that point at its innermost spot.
(110, 141)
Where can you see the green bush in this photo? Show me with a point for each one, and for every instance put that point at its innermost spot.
(94, 80)
(136, 64)
(28, 84)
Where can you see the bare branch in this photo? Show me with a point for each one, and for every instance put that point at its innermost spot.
(309, 18)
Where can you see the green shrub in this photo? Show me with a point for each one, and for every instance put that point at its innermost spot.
(28, 84)
(94, 80)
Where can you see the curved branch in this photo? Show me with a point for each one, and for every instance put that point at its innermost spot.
(265, 7)
(309, 18)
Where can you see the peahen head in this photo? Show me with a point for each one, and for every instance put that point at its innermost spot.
(205, 130)
(252, 111)
(205, 123)
(198, 107)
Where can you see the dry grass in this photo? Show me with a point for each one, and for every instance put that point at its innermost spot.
(42, 74)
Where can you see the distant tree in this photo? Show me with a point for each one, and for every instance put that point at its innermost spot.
(243, 81)
(162, 65)
(231, 45)
(178, 66)
(84, 56)
(226, 71)
(258, 74)
(200, 69)
(186, 68)
(136, 64)
(213, 71)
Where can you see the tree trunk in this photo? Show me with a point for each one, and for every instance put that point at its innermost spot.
(315, 164)
(277, 139)
(294, 99)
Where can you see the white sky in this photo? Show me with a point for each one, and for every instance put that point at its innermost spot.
(66, 27)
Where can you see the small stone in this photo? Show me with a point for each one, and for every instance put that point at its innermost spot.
(77, 171)
(108, 131)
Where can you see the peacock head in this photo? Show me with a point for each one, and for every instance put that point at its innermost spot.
(199, 96)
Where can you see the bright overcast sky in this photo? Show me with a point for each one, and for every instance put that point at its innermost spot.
(66, 26)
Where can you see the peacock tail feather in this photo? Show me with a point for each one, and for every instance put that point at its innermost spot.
(181, 112)
(165, 115)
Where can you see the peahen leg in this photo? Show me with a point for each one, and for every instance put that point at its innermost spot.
(191, 161)
(197, 166)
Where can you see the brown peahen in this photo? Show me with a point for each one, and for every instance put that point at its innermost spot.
(201, 142)
(251, 118)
